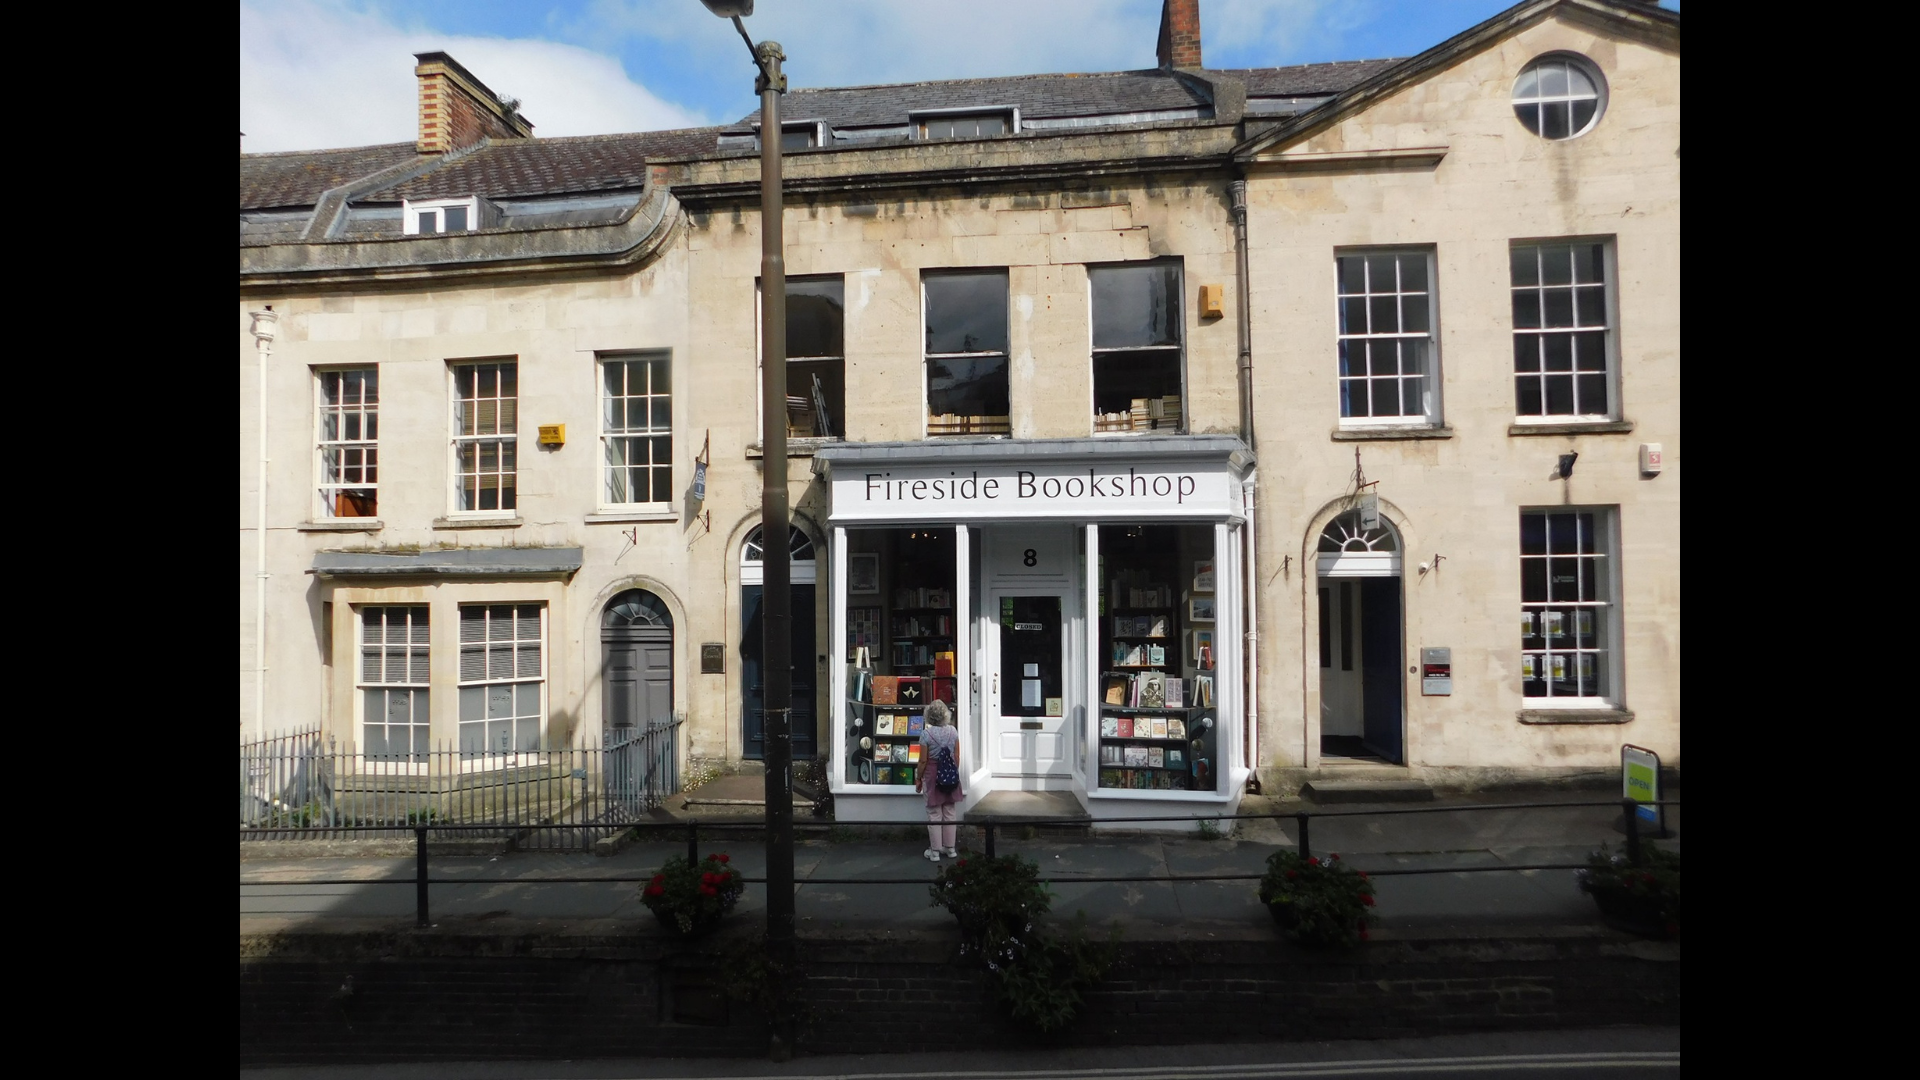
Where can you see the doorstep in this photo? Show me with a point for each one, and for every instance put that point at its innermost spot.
(1366, 791)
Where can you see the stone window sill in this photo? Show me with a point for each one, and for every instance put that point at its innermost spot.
(365, 525)
(1397, 431)
(1574, 716)
(796, 448)
(628, 517)
(1580, 427)
(478, 523)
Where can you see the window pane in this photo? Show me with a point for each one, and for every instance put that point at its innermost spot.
(1352, 274)
(1135, 306)
(1528, 85)
(967, 387)
(427, 221)
(1591, 391)
(1553, 78)
(1559, 307)
(1383, 315)
(1529, 117)
(1533, 581)
(815, 318)
(1353, 357)
(1524, 262)
(1583, 114)
(1413, 314)
(1382, 358)
(1526, 310)
(1413, 397)
(967, 312)
(1413, 357)
(1555, 121)
(1590, 306)
(1559, 390)
(456, 219)
(1413, 273)
(1527, 397)
(1557, 351)
(1353, 315)
(1578, 82)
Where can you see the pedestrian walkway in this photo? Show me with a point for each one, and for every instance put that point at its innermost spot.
(522, 887)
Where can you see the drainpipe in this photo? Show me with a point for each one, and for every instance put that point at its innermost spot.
(1249, 560)
(1238, 189)
(264, 322)
(1250, 670)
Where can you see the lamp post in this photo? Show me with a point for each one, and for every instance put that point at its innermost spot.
(775, 594)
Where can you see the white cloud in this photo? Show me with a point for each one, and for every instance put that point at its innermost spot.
(322, 74)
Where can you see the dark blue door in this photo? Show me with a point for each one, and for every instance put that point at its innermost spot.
(802, 673)
(1381, 682)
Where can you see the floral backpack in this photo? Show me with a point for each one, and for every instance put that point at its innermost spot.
(946, 775)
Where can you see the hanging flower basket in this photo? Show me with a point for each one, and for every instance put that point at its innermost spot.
(1642, 899)
(1315, 903)
(690, 899)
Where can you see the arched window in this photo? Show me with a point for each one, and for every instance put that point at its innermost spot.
(1348, 549)
(799, 553)
(636, 608)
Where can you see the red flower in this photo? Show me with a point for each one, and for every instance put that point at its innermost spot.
(962, 862)
(655, 889)
(1363, 875)
(708, 890)
(1335, 857)
(1291, 874)
(1367, 900)
(1315, 861)
(724, 857)
(658, 878)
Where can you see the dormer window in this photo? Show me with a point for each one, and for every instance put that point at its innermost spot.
(965, 123)
(441, 216)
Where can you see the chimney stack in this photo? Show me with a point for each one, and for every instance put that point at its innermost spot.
(457, 110)
(1180, 34)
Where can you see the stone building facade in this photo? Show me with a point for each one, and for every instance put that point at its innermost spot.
(1262, 404)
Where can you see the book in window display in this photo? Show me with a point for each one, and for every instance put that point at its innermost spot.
(1153, 690)
(1176, 729)
(1125, 727)
(1156, 757)
(1109, 727)
(883, 774)
(1136, 755)
(884, 725)
(1176, 759)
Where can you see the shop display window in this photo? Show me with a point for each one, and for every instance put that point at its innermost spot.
(1158, 723)
(901, 631)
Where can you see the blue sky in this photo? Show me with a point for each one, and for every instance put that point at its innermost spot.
(327, 73)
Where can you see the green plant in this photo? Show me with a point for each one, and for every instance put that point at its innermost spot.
(1318, 903)
(776, 988)
(998, 901)
(1646, 896)
(1210, 829)
(688, 897)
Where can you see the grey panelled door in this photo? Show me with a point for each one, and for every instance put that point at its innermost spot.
(636, 640)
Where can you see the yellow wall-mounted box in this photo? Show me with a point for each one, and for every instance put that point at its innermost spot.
(1210, 302)
(553, 434)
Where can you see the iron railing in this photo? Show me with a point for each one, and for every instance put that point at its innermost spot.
(301, 786)
(1302, 819)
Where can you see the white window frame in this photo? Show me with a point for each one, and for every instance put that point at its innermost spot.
(1607, 692)
(505, 439)
(436, 209)
(328, 486)
(1539, 99)
(917, 120)
(1095, 352)
(759, 349)
(608, 433)
(517, 675)
(816, 131)
(403, 665)
(1610, 349)
(926, 375)
(1429, 416)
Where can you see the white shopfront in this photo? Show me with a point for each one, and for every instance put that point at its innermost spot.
(1079, 602)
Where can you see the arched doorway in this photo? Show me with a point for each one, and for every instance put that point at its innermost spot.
(636, 649)
(802, 669)
(1361, 653)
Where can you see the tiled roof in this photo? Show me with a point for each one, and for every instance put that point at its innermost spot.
(298, 178)
(523, 167)
(1037, 96)
(1308, 79)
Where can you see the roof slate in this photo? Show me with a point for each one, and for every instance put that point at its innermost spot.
(298, 178)
(1038, 96)
(521, 167)
(1308, 79)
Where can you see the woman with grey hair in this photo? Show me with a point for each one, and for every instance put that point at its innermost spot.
(940, 746)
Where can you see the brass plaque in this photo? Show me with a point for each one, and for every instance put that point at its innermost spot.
(713, 658)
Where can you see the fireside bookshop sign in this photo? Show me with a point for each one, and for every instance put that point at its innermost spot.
(1060, 490)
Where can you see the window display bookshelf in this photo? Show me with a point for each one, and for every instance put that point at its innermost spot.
(1154, 735)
